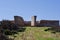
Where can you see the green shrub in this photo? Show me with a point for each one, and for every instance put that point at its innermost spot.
(7, 32)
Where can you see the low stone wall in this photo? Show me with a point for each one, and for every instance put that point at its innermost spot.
(27, 23)
(49, 23)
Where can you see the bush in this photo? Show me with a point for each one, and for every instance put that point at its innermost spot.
(47, 29)
(7, 32)
(53, 32)
(14, 32)
(22, 29)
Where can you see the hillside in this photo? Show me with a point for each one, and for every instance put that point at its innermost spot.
(36, 33)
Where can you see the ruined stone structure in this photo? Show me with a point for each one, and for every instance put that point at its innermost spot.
(27, 23)
(33, 21)
(19, 20)
(59, 23)
(49, 23)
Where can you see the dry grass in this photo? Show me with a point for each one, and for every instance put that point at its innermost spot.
(37, 33)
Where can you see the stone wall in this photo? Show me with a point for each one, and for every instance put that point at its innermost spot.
(19, 20)
(59, 23)
(27, 23)
(49, 23)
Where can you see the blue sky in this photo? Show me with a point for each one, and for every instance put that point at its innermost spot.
(43, 9)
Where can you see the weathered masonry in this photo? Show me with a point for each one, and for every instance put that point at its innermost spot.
(33, 21)
(49, 23)
(18, 20)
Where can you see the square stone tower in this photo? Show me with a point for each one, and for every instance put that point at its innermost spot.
(59, 22)
(33, 21)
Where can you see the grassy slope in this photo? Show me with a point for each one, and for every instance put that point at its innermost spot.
(37, 33)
